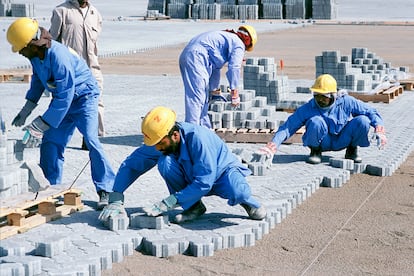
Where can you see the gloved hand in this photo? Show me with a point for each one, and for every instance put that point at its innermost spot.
(24, 113)
(34, 132)
(380, 136)
(235, 99)
(265, 154)
(164, 205)
(115, 207)
(217, 96)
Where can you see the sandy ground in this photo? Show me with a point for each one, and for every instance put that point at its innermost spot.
(363, 228)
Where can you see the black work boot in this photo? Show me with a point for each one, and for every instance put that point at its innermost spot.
(315, 156)
(352, 153)
(103, 199)
(191, 213)
(84, 146)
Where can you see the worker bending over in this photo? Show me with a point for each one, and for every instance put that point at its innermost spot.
(193, 161)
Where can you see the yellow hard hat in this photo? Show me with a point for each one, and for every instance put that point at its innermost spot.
(252, 33)
(21, 32)
(324, 84)
(157, 124)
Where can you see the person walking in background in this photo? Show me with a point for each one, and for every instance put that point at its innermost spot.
(74, 104)
(333, 121)
(77, 24)
(194, 163)
(200, 65)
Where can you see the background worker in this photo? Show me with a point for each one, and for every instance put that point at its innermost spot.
(333, 120)
(74, 103)
(193, 161)
(200, 65)
(78, 24)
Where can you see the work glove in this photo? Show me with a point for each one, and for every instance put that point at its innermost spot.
(164, 205)
(21, 117)
(265, 154)
(379, 136)
(216, 96)
(235, 99)
(115, 207)
(34, 132)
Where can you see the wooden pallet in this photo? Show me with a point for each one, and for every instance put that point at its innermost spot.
(15, 76)
(258, 136)
(408, 84)
(385, 96)
(23, 212)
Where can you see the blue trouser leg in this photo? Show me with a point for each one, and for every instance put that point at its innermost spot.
(354, 133)
(52, 150)
(84, 115)
(86, 120)
(195, 72)
(232, 185)
(316, 132)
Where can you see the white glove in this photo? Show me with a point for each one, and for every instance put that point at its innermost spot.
(164, 205)
(24, 113)
(380, 137)
(34, 133)
(265, 154)
(235, 99)
(115, 207)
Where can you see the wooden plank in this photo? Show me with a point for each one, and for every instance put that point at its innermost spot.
(25, 214)
(385, 96)
(407, 84)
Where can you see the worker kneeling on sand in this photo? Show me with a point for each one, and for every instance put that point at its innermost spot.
(193, 161)
(333, 120)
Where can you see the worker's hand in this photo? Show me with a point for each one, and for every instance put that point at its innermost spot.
(160, 207)
(380, 136)
(21, 117)
(265, 154)
(34, 132)
(115, 207)
(268, 150)
(235, 99)
(216, 96)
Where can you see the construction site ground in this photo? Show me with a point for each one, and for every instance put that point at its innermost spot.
(364, 226)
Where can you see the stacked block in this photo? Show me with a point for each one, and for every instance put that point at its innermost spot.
(260, 74)
(22, 10)
(360, 72)
(5, 6)
(245, 9)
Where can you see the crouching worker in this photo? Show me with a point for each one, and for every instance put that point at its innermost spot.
(333, 120)
(193, 161)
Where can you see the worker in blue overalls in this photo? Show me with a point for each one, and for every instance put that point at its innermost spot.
(333, 121)
(194, 163)
(74, 103)
(200, 65)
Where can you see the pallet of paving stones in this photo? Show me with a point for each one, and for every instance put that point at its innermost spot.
(408, 84)
(15, 76)
(257, 136)
(20, 213)
(385, 96)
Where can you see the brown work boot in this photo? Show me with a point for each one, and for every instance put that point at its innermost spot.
(255, 213)
(352, 153)
(315, 156)
(191, 213)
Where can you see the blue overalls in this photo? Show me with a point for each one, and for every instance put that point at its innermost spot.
(204, 166)
(74, 104)
(200, 65)
(345, 123)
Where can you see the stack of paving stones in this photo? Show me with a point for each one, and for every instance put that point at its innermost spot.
(8, 8)
(245, 9)
(360, 72)
(81, 245)
(260, 74)
(13, 179)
